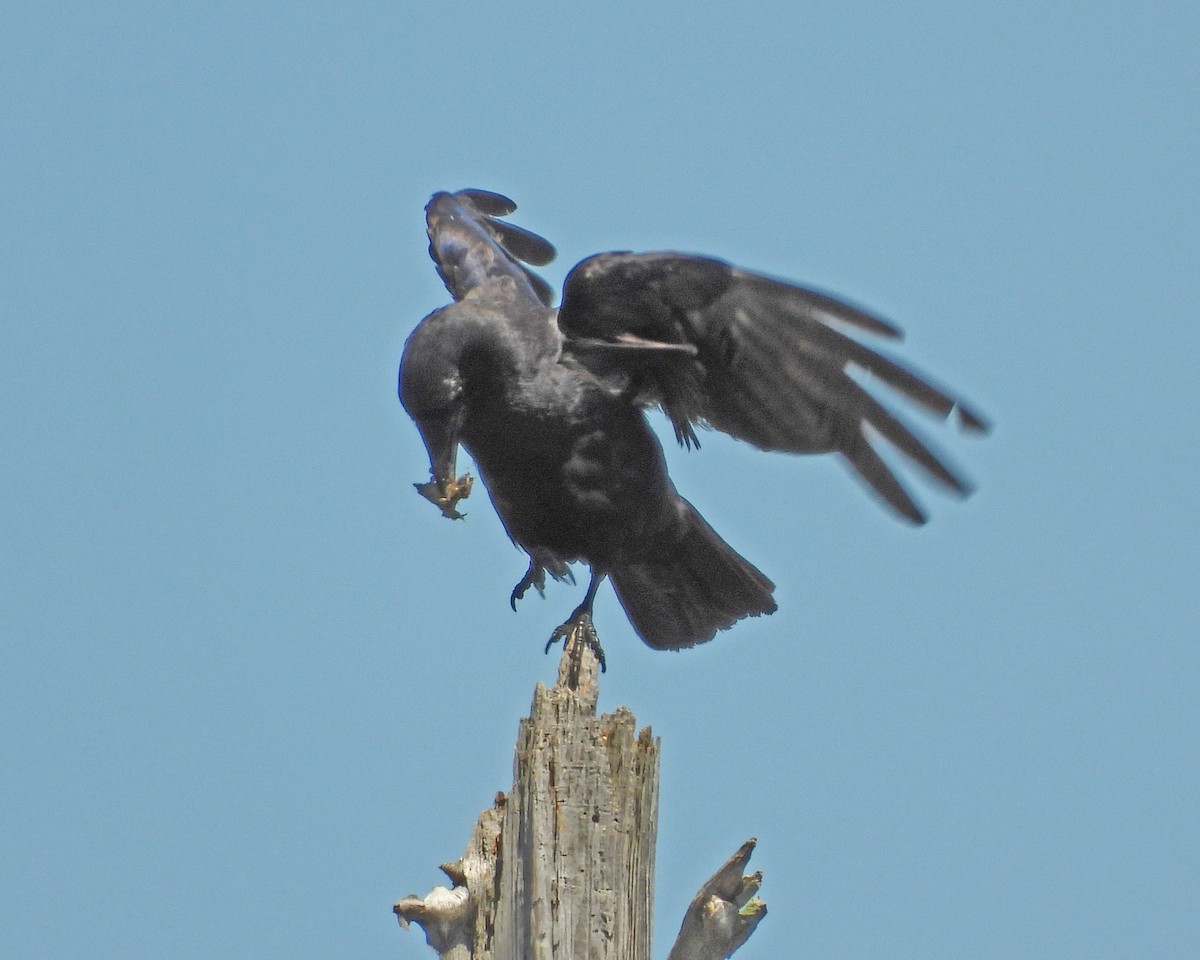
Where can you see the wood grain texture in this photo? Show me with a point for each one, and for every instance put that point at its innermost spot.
(562, 868)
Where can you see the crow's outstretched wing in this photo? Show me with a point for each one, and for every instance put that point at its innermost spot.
(763, 360)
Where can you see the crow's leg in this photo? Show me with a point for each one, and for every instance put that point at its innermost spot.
(534, 577)
(578, 632)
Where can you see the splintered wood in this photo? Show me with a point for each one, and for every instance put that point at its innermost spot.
(563, 867)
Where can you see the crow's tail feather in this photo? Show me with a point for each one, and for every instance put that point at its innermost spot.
(690, 587)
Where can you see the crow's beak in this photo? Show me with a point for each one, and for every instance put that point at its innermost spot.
(440, 434)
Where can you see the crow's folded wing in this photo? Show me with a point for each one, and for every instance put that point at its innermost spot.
(763, 360)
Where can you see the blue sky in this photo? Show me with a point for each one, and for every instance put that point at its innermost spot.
(254, 689)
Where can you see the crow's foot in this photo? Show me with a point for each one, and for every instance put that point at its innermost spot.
(578, 634)
(534, 577)
(445, 494)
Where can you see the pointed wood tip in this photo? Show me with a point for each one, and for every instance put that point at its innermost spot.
(724, 912)
(579, 669)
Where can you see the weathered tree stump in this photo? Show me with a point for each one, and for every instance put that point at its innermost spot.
(563, 867)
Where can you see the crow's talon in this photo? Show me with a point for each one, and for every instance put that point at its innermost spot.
(580, 632)
(534, 577)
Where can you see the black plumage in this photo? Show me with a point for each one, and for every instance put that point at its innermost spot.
(551, 407)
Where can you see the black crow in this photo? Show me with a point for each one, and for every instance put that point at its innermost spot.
(550, 404)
